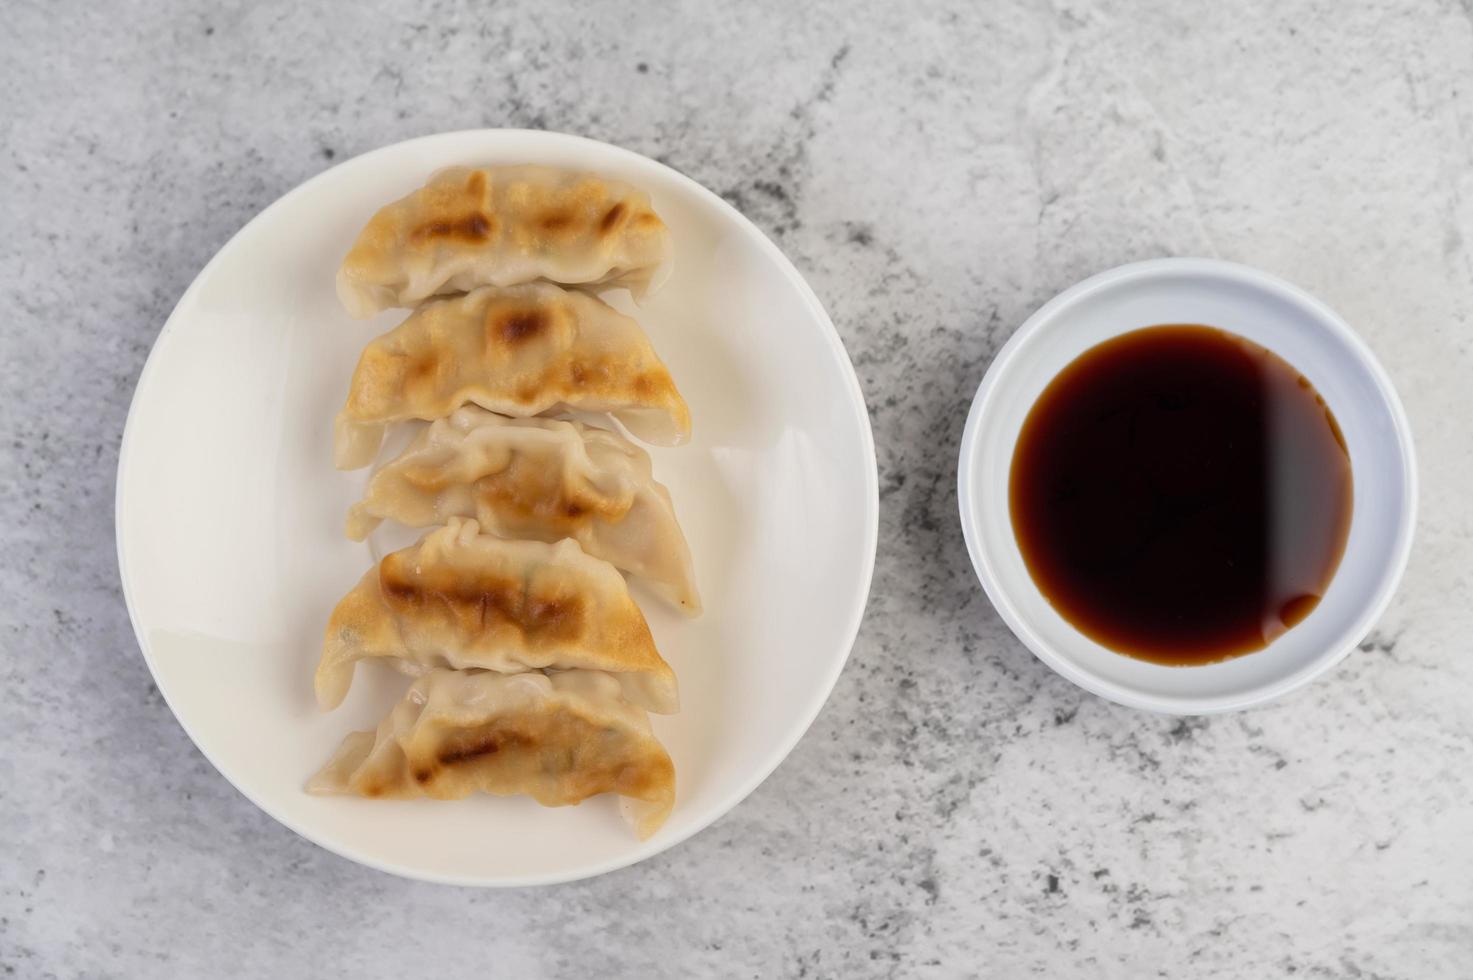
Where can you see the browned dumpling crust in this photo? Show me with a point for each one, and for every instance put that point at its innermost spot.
(463, 599)
(543, 479)
(504, 226)
(520, 351)
(559, 738)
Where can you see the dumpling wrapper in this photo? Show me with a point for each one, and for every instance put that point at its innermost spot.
(521, 351)
(559, 738)
(543, 479)
(463, 599)
(504, 226)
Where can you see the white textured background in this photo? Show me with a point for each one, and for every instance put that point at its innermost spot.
(937, 170)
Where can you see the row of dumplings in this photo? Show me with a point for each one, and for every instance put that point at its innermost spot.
(534, 666)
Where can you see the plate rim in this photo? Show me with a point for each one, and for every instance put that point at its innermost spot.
(858, 603)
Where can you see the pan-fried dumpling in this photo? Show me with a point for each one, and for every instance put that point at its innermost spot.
(504, 226)
(543, 479)
(463, 599)
(559, 738)
(520, 351)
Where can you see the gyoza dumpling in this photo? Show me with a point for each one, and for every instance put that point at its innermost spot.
(503, 226)
(520, 351)
(463, 599)
(544, 479)
(559, 738)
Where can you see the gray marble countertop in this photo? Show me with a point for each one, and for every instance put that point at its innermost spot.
(937, 171)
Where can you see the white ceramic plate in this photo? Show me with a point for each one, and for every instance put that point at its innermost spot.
(1269, 312)
(230, 515)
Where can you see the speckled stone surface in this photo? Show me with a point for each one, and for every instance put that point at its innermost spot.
(937, 171)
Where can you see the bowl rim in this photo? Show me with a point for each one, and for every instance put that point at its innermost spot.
(850, 624)
(1242, 275)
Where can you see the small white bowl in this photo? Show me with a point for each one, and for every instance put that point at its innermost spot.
(1276, 315)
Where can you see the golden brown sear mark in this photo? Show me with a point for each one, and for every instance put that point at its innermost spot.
(480, 600)
(555, 220)
(474, 227)
(611, 220)
(520, 325)
(530, 749)
(480, 743)
(651, 384)
(542, 497)
(422, 368)
(595, 372)
(475, 184)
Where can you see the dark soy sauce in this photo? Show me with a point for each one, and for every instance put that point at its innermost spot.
(1181, 495)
